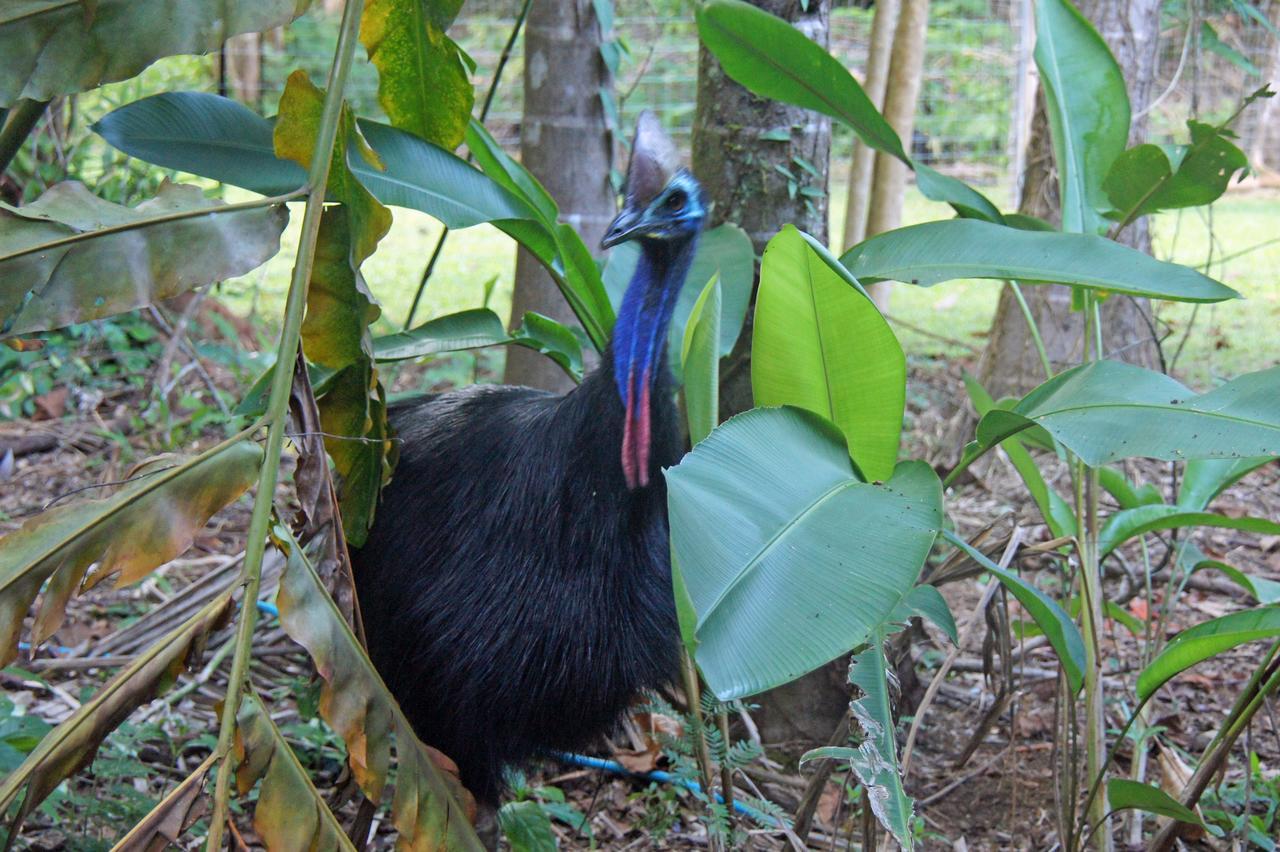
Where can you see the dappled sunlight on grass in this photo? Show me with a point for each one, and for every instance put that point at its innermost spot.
(949, 320)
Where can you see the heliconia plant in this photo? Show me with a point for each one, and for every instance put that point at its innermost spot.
(799, 533)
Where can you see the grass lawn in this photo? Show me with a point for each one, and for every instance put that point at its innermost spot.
(1224, 340)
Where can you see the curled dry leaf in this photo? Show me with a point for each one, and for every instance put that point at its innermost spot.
(71, 257)
(319, 524)
(431, 810)
(290, 813)
(143, 525)
(71, 745)
(161, 828)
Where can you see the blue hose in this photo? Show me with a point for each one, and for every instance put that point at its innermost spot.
(662, 778)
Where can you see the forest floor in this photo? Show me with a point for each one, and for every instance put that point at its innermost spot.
(996, 711)
(1001, 796)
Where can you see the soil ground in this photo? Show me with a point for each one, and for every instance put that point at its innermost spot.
(1001, 796)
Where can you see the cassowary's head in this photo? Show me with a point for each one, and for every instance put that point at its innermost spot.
(663, 211)
(663, 202)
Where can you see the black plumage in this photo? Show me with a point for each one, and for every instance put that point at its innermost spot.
(516, 585)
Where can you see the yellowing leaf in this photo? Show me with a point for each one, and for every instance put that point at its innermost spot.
(72, 744)
(290, 813)
(294, 138)
(422, 81)
(430, 809)
(335, 334)
(143, 525)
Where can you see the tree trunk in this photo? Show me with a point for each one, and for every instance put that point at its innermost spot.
(876, 79)
(740, 172)
(565, 141)
(889, 177)
(1010, 365)
(1261, 155)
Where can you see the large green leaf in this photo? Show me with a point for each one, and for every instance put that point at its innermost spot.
(1205, 479)
(1124, 794)
(782, 581)
(422, 80)
(775, 60)
(701, 358)
(60, 47)
(1088, 109)
(1199, 643)
(223, 140)
(72, 257)
(725, 251)
(497, 164)
(932, 252)
(1142, 180)
(143, 525)
(553, 339)
(1127, 523)
(1109, 410)
(581, 285)
(1052, 620)
(469, 329)
(818, 342)
(205, 135)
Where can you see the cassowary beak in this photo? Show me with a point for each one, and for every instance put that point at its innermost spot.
(627, 225)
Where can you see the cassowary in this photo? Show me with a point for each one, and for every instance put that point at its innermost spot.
(516, 585)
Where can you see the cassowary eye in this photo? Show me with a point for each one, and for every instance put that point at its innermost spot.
(675, 202)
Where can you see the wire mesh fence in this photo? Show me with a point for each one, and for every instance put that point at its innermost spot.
(968, 119)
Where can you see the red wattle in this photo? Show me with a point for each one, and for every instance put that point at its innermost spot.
(635, 434)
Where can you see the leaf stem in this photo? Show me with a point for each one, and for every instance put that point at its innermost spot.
(693, 694)
(153, 220)
(281, 379)
(21, 121)
(1036, 338)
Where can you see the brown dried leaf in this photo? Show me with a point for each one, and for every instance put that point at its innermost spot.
(290, 813)
(169, 819)
(431, 810)
(319, 526)
(71, 745)
(143, 525)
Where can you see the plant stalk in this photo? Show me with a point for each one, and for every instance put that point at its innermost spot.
(693, 694)
(21, 121)
(1086, 494)
(503, 58)
(726, 771)
(1247, 706)
(277, 407)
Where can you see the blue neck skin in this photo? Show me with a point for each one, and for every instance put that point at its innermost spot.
(640, 335)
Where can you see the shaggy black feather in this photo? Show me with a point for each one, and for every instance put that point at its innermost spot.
(515, 593)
